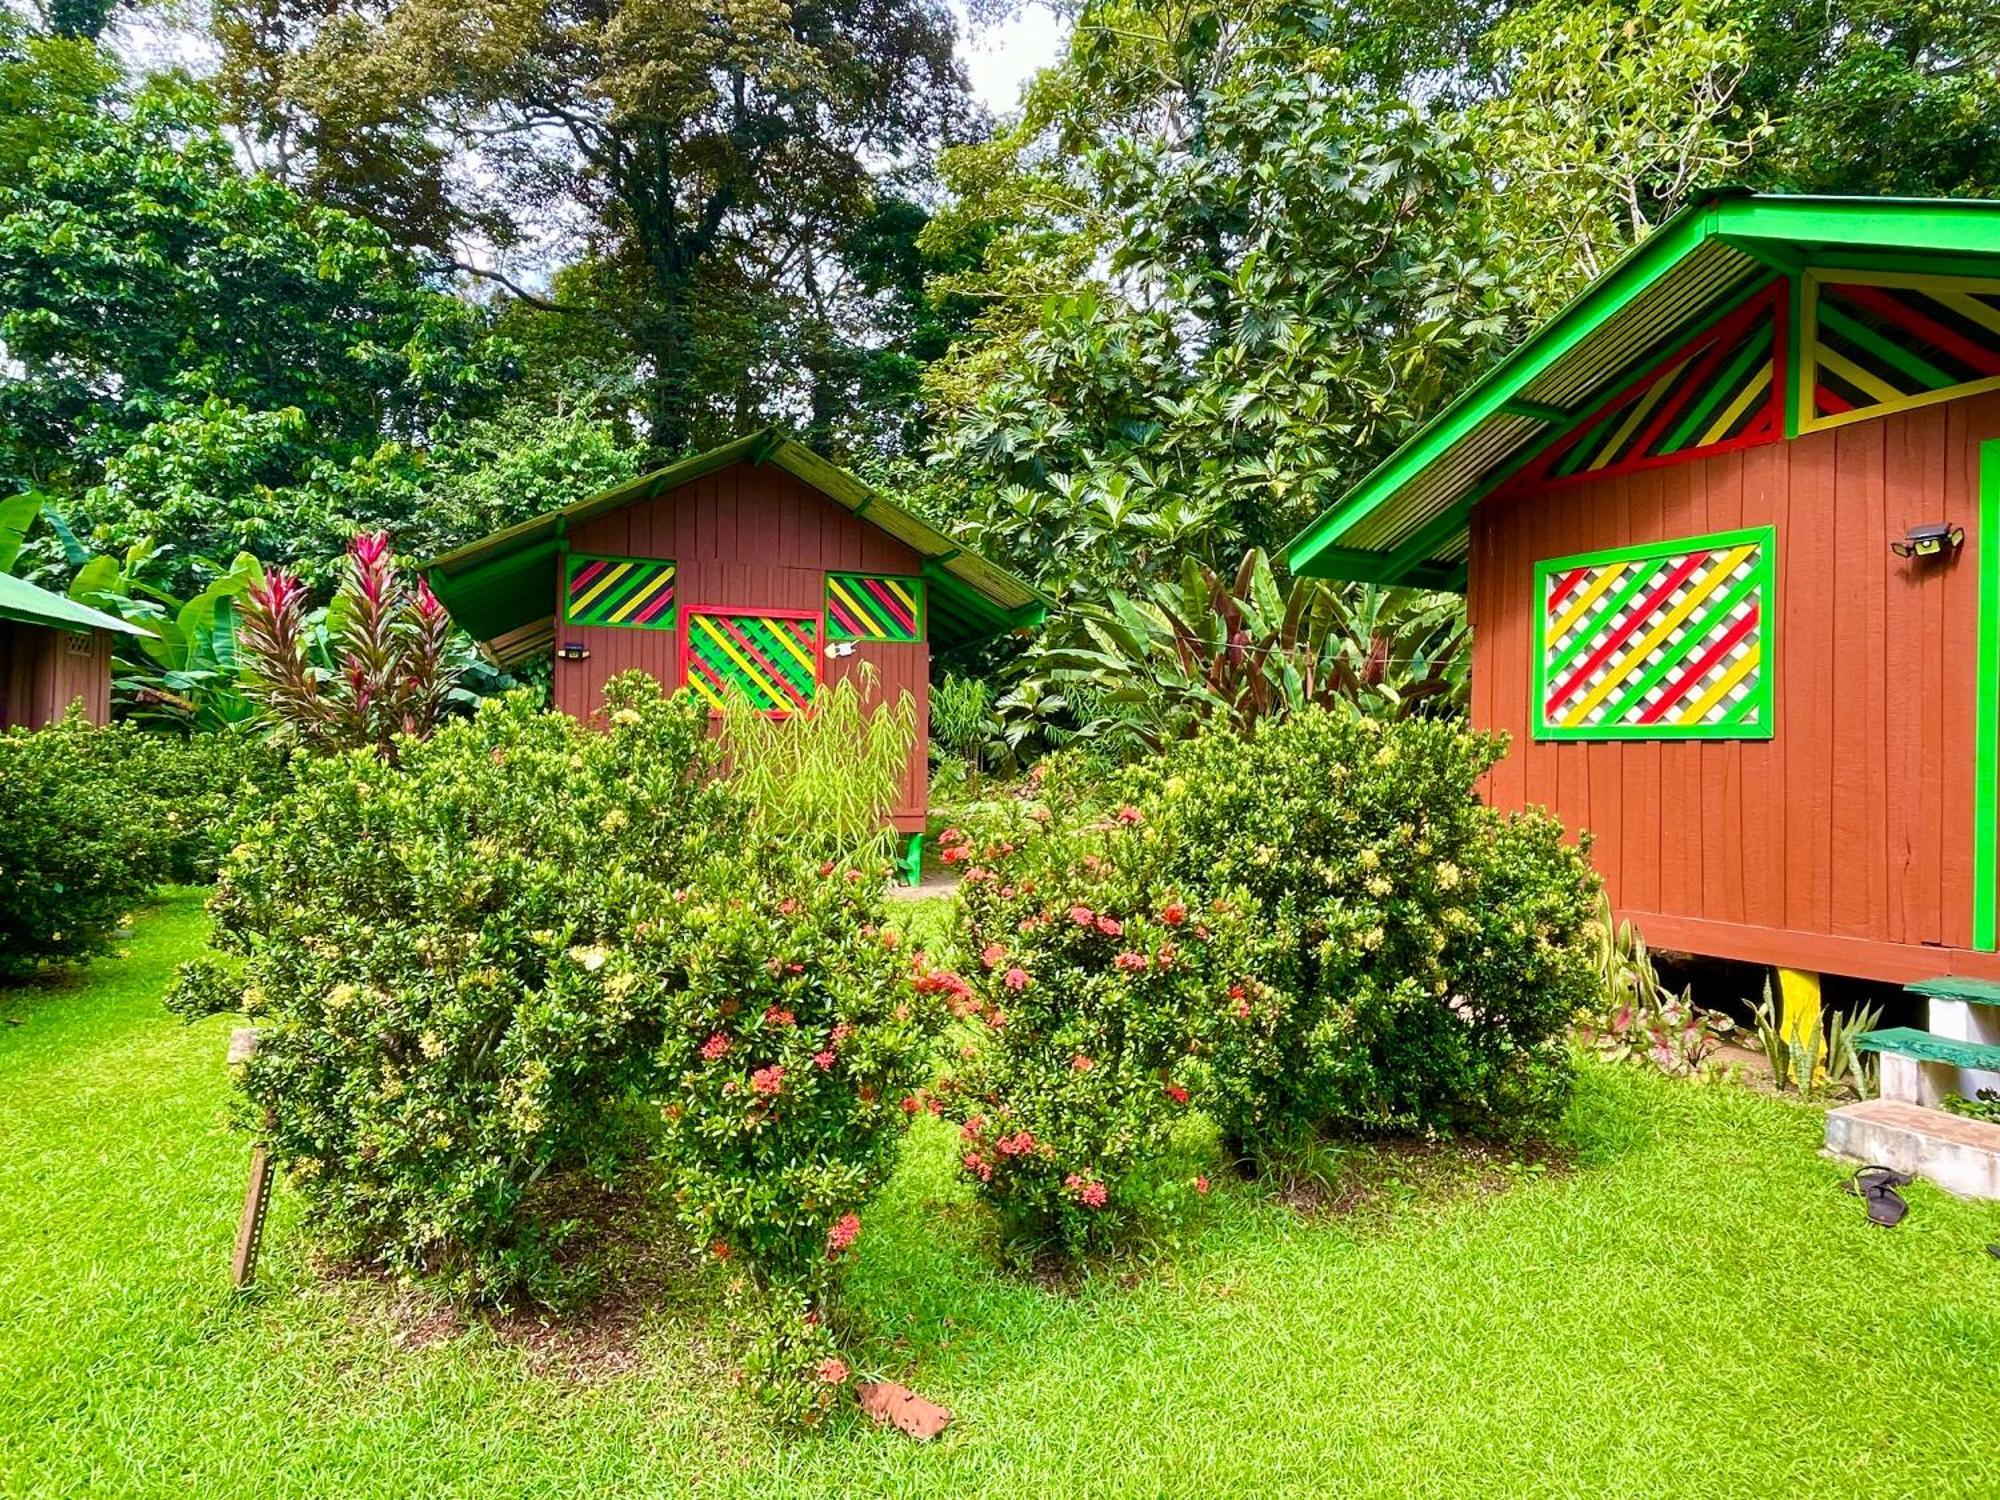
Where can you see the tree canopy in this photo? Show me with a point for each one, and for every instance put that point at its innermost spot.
(431, 268)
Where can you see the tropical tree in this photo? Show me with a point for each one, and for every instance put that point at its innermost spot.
(1272, 271)
(717, 159)
(193, 353)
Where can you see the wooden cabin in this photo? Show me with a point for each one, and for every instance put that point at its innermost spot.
(757, 568)
(53, 652)
(1728, 528)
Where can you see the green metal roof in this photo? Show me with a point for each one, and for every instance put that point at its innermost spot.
(1407, 520)
(23, 601)
(502, 587)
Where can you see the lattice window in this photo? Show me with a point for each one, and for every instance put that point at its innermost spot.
(874, 607)
(635, 593)
(766, 658)
(1668, 641)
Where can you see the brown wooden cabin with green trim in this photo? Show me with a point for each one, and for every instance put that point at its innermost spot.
(758, 568)
(54, 653)
(1728, 527)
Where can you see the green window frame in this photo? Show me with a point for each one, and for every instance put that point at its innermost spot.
(619, 593)
(885, 607)
(1670, 640)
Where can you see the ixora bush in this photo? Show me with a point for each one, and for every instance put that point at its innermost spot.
(523, 962)
(199, 790)
(1432, 951)
(788, 1051)
(1104, 988)
(461, 967)
(77, 850)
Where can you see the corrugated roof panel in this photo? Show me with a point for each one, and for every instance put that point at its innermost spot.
(1668, 308)
(1433, 491)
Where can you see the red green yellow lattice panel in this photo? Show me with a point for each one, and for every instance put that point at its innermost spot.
(874, 607)
(769, 661)
(1668, 641)
(1875, 342)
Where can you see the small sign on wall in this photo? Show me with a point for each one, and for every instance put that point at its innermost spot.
(1672, 640)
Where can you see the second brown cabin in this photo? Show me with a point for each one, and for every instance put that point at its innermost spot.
(757, 571)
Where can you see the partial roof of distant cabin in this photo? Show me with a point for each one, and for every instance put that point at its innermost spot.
(27, 604)
(501, 584)
(1406, 522)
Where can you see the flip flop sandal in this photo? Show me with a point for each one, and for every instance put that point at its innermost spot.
(1876, 1186)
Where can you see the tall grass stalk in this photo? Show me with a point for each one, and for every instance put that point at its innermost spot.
(828, 779)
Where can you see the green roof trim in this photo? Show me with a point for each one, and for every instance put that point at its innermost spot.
(23, 602)
(1406, 520)
(504, 583)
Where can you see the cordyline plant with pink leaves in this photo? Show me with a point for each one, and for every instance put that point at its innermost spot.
(386, 640)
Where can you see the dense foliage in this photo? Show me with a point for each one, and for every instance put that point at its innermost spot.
(96, 817)
(1103, 987)
(1205, 649)
(787, 1053)
(518, 980)
(1432, 950)
(460, 970)
(76, 852)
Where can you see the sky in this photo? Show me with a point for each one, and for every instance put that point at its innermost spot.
(1002, 56)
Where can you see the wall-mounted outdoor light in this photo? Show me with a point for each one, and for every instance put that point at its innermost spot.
(1931, 540)
(838, 649)
(574, 651)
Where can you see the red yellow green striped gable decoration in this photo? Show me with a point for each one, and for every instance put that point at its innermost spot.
(635, 593)
(1667, 641)
(770, 660)
(1874, 342)
(1721, 390)
(874, 607)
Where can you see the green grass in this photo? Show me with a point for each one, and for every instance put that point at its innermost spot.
(1694, 1310)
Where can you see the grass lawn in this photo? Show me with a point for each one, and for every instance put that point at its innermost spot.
(1694, 1310)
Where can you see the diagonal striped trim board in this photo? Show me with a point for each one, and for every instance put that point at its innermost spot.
(1722, 389)
(769, 661)
(636, 593)
(1878, 342)
(1668, 641)
(874, 607)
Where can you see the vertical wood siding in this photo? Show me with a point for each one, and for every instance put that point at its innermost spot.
(1855, 821)
(748, 538)
(43, 671)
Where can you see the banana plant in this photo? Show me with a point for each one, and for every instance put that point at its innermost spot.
(185, 673)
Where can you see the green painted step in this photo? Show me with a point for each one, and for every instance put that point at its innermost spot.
(1951, 987)
(1926, 1046)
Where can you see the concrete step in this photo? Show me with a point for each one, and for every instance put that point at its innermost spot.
(1959, 1155)
(1928, 1046)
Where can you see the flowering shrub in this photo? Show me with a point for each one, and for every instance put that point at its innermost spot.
(77, 850)
(787, 1056)
(1432, 950)
(1102, 989)
(199, 791)
(461, 971)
